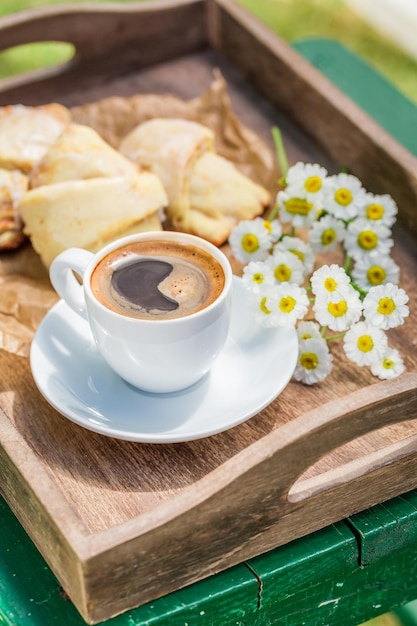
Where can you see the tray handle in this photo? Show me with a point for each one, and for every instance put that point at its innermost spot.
(260, 479)
(292, 449)
(108, 40)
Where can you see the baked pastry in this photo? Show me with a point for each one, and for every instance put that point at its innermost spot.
(13, 185)
(85, 194)
(79, 153)
(207, 194)
(27, 132)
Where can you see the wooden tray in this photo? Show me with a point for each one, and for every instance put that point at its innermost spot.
(123, 523)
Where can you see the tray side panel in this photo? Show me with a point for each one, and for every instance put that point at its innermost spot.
(130, 37)
(208, 532)
(325, 113)
(43, 512)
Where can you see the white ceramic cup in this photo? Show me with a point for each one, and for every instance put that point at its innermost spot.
(157, 356)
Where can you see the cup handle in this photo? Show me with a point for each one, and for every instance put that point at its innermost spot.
(64, 281)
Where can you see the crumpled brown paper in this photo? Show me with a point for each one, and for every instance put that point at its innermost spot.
(26, 293)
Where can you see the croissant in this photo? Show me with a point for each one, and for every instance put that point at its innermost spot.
(13, 184)
(207, 194)
(83, 193)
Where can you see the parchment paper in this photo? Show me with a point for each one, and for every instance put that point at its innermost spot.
(26, 293)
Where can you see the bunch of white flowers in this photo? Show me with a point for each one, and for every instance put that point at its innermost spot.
(359, 301)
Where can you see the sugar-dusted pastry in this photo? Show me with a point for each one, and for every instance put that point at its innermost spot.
(80, 153)
(207, 194)
(90, 213)
(85, 194)
(13, 185)
(27, 132)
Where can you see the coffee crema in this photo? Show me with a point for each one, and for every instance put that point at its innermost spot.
(157, 280)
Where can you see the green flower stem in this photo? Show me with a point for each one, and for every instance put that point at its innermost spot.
(323, 331)
(348, 264)
(273, 214)
(339, 336)
(279, 146)
(363, 292)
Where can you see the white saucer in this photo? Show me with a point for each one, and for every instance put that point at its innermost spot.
(254, 367)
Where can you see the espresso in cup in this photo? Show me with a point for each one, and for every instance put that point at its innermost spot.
(138, 296)
(157, 280)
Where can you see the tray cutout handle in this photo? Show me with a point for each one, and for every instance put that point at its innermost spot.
(321, 431)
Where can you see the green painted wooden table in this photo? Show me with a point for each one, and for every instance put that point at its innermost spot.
(344, 574)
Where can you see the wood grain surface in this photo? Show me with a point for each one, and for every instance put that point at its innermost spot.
(121, 523)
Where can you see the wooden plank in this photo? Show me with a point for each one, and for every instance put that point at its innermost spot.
(385, 529)
(329, 586)
(371, 91)
(103, 512)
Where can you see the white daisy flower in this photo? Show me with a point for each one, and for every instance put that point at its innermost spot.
(296, 210)
(257, 301)
(287, 303)
(364, 237)
(373, 270)
(306, 180)
(331, 283)
(364, 344)
(326, 233)
(381, 209)
(250, 241)
(308, 330)
(285, 267)
(274, 229)
(301, 250)
(343, 195)
(257, 274)
(389, 365)
(314, 361)
(385, 306)
(338, 314)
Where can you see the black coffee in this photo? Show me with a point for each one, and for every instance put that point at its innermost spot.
(157, 280)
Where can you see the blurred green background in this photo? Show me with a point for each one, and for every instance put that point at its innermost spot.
(291, 19)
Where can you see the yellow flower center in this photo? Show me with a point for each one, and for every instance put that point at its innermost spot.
(337, 309)
(287, 304)
(387, 363)
(263, 306)
(386, 306)
(343, 196)
(298, 206)
(376, 275)
(268, 226)
(330, 284)
(313, 184)
(250, 243)
(367, 240)
(375, 211)
(309, 360)
(365, 343)
(298, 254)
(282, 273)
(328, 236)
(258, 278)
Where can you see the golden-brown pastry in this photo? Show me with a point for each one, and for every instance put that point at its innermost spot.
(80, 153)
(27, 132)
(207, 194)
(85, 194)
(90, 213)
(13, 185)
